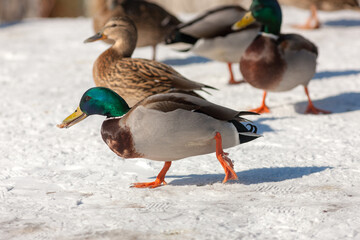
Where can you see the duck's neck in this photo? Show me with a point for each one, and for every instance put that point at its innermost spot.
(117, 108)
(272, 28)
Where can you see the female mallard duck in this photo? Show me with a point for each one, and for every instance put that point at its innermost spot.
(210, 35)
(133, 78)
(273, 61)
(165, 127)
(328, 5)
(152, 21)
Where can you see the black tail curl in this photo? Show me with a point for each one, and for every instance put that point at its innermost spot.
(253, 128)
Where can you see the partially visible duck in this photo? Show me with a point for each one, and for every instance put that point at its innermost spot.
(210, 35)
(152, 21)
(134, 78)
(273, 61)
(165, 127)
(328, 5)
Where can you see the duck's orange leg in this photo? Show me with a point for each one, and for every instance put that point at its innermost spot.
(311, 108)
(224, 160)
(263, 108)
(160, 179)
(232, 80)
(312, 22)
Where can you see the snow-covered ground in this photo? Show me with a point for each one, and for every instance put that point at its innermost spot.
(300, 181)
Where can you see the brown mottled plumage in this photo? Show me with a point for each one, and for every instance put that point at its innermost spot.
(133, 78)
(152, 21)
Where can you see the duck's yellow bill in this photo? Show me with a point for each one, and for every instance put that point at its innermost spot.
(247, 19)
(96, 37)
(73, 119)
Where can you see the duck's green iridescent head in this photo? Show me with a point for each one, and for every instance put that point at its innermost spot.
(97, 101)
(267, 12)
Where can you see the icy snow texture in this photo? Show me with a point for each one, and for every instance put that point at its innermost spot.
(300, 181)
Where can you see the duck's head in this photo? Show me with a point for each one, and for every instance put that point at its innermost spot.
(97, 101)
(267, 12)
(121, 30)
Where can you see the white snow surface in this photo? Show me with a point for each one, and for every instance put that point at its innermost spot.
(301, 180)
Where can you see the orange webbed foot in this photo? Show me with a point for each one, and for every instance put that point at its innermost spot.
(225, 162)
(234, 82)
(261, 109)
(311, 109)
(160, 179)
(155, 184)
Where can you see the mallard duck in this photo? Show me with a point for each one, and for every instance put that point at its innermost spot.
(328, 5)
(165, 127)
(273, 61)
(210, 35)
(152, 21)
(134, 78)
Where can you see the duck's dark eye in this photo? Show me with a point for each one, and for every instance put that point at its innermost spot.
(114, 25)
(87, 98)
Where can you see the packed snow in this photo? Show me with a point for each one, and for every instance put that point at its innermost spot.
(301, 180)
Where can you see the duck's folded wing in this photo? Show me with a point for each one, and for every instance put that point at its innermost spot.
(150, 72)
(296, 42)
(213, 23)
(172, 101)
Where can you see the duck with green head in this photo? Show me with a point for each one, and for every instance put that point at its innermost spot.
(276, 62)
(165, 127)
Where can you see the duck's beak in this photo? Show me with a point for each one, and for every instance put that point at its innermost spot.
(247, 19)
(96, 37)
(73, 119)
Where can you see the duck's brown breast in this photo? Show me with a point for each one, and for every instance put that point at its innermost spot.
(262, 64)
(119, 139)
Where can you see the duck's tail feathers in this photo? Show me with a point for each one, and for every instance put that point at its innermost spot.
(242, 113)
(209, 87)
(246, 133)
(248, 136)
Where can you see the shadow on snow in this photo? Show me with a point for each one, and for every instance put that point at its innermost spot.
(253, 176)
(345, 102)
(343, 23)
(330, 74)
(186, 61)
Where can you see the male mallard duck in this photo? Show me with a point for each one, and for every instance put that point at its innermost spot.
(134, 78)
(327, 5)
(165, 127)
(152, 21)
(273, 61)
(210, 35)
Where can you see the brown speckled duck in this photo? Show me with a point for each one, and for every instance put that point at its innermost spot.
(326, 5)
(134, 78)
(273, 61)
(152, 21)
(165, 127)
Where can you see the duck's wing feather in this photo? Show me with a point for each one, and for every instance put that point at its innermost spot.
(171, 101)
(296, 42)
(150, 74)
(216, 22)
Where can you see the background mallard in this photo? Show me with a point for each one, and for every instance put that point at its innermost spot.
(152, 21)
(210, 35)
